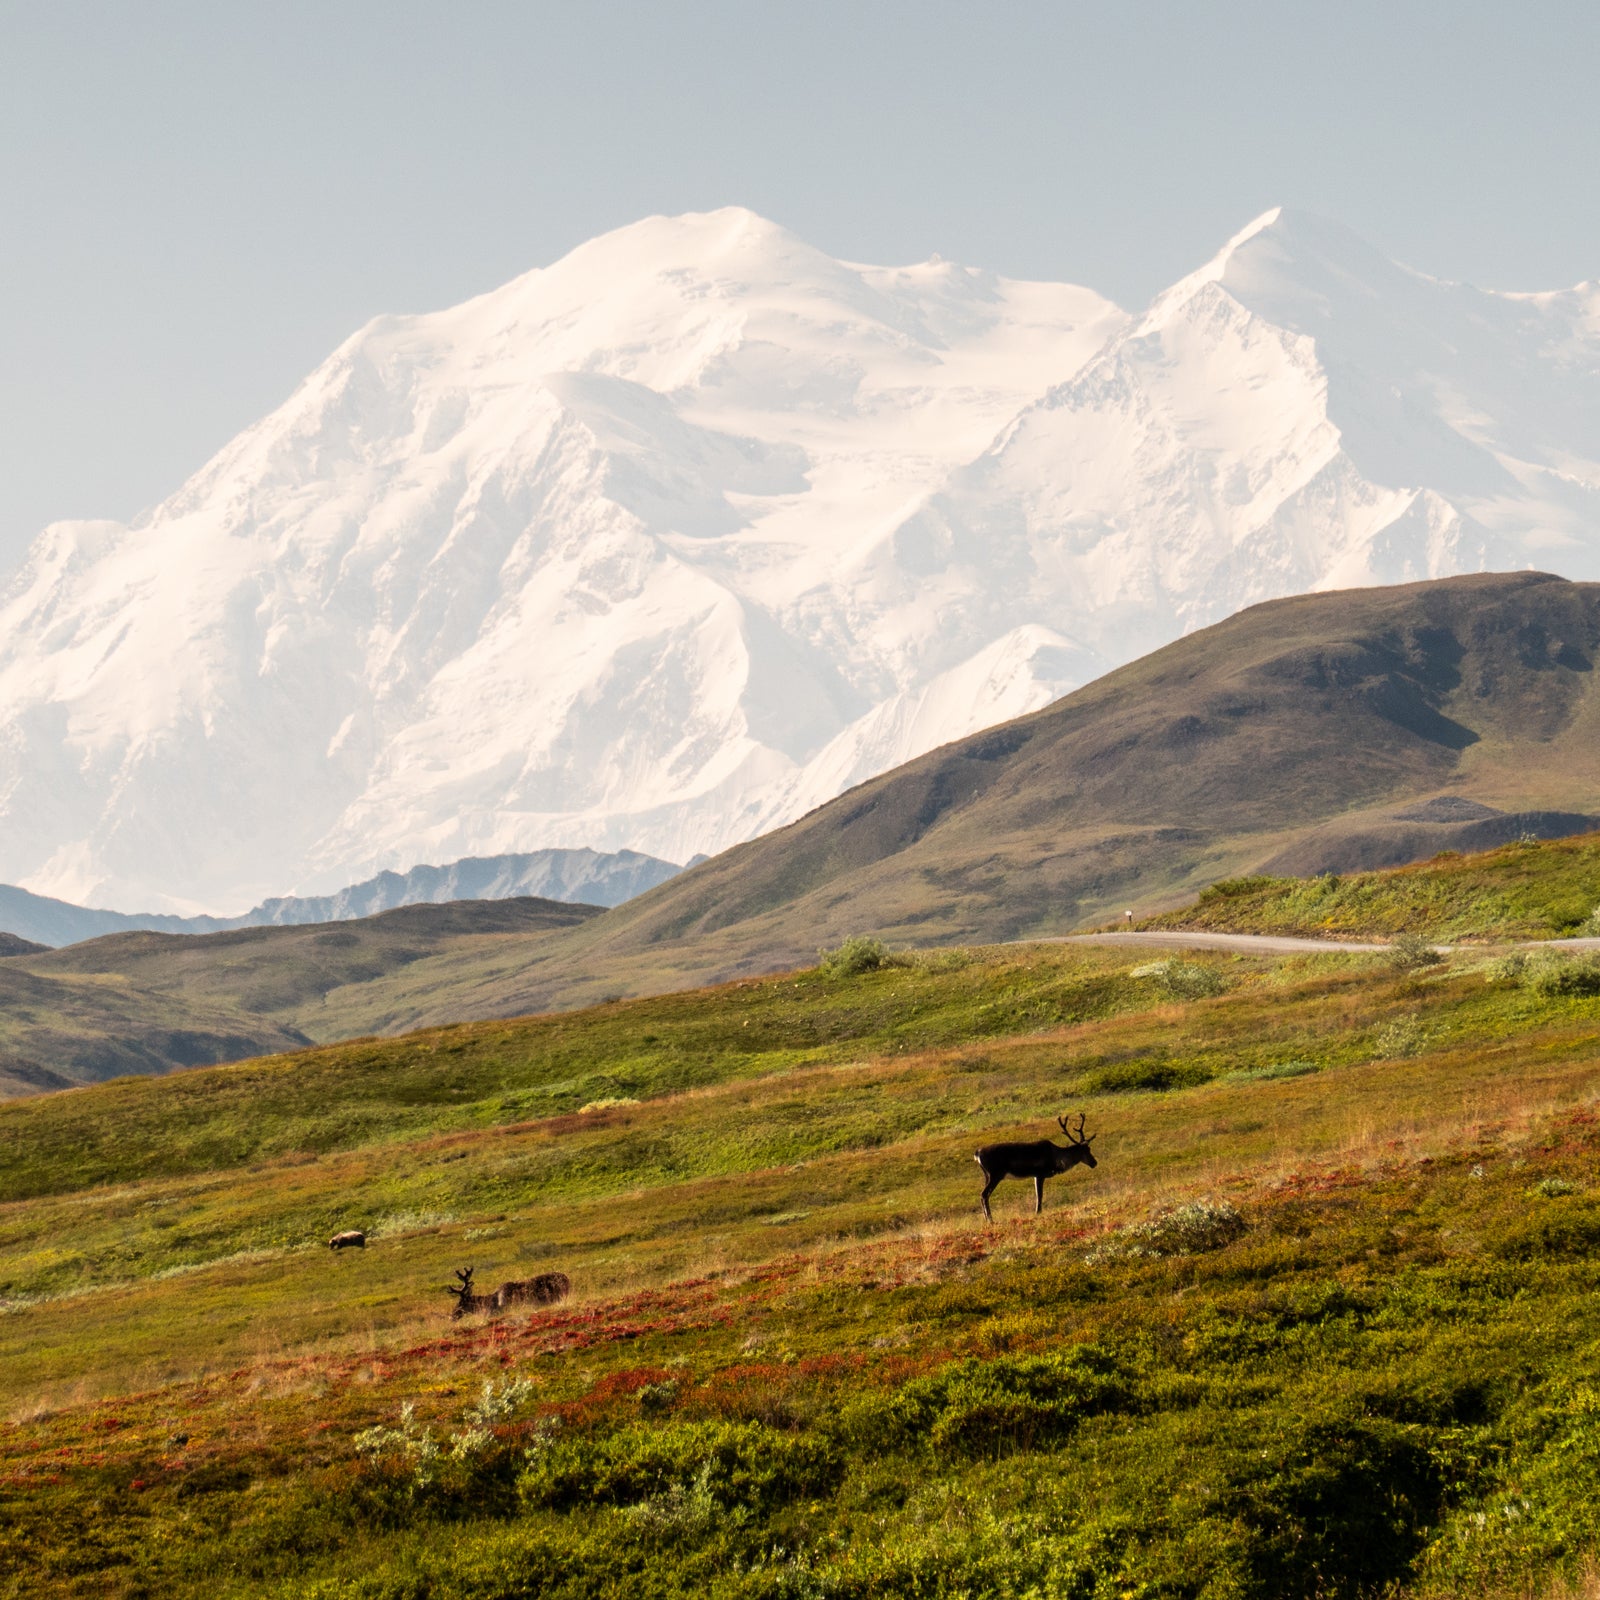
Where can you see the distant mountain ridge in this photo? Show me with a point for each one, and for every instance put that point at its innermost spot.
(666, 544)
(574, 876)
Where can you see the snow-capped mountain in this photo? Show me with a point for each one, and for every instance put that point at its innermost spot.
(662, 545)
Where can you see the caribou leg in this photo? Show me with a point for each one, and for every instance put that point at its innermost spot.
(988, 1189)
(1038, 1196)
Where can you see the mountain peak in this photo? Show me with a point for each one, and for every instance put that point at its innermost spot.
(1285, 256)
(1273, 217)
(651, 546)
(730, 240)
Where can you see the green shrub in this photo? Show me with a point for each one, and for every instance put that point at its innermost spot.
(735, 1464)
(853, 957)
(1183, 980)
(1553, 1188)
(1558, 1233)
(1190, 1229)
(1233, 888)
(1411, 952)
(989, 1408)
(1124, 1077)
(938, 961)
(1567, 916)
(1542, 1514)
(1509, 968)
(1332, 1507)
(656, 1398)
(1278, 1069)
(1399, 1039)
(1562, 976)
(468, 1466)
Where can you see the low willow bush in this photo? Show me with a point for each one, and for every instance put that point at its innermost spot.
(1124, 1077)
(1400, 1039)
(854, 957)
(1273, 1071)
(736, 1465)
(470, 1465)
(989, 1408)
(1557, 977)
(1553, 1188)
(1234, 888)
(1509, 968)
(1411, 953)
(1190, 1229)
(1569, 1231)
(1182, 980)
(1551, 974)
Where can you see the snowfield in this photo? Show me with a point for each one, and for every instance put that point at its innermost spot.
(663, 545)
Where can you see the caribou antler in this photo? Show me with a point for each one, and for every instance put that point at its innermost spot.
(1074, 1135)
(468, 1303)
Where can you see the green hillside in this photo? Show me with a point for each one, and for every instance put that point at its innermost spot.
(1323, 1321)
(153, 1002)
(56, 1032)
(1533, 890)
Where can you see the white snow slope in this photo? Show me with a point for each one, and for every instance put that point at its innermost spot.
(663, 545)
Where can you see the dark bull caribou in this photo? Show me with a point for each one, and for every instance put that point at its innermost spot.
(1039, 1160)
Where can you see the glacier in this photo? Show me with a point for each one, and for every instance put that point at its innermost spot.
(663, 545)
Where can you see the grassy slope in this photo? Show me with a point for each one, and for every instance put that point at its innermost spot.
(1545, 890)
(140, 1002)
(777, 1256)
(60, 1030)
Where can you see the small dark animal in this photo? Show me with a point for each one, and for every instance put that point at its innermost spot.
(350, 1239)
(545, 1290)
(1038, 1161)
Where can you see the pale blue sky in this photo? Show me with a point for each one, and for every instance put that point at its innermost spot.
(198, 200)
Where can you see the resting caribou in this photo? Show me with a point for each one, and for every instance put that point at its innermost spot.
(1039, 1160)
(468, 1300)
(545, 1290)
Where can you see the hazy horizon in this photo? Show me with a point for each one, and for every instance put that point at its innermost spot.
(203, 204)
